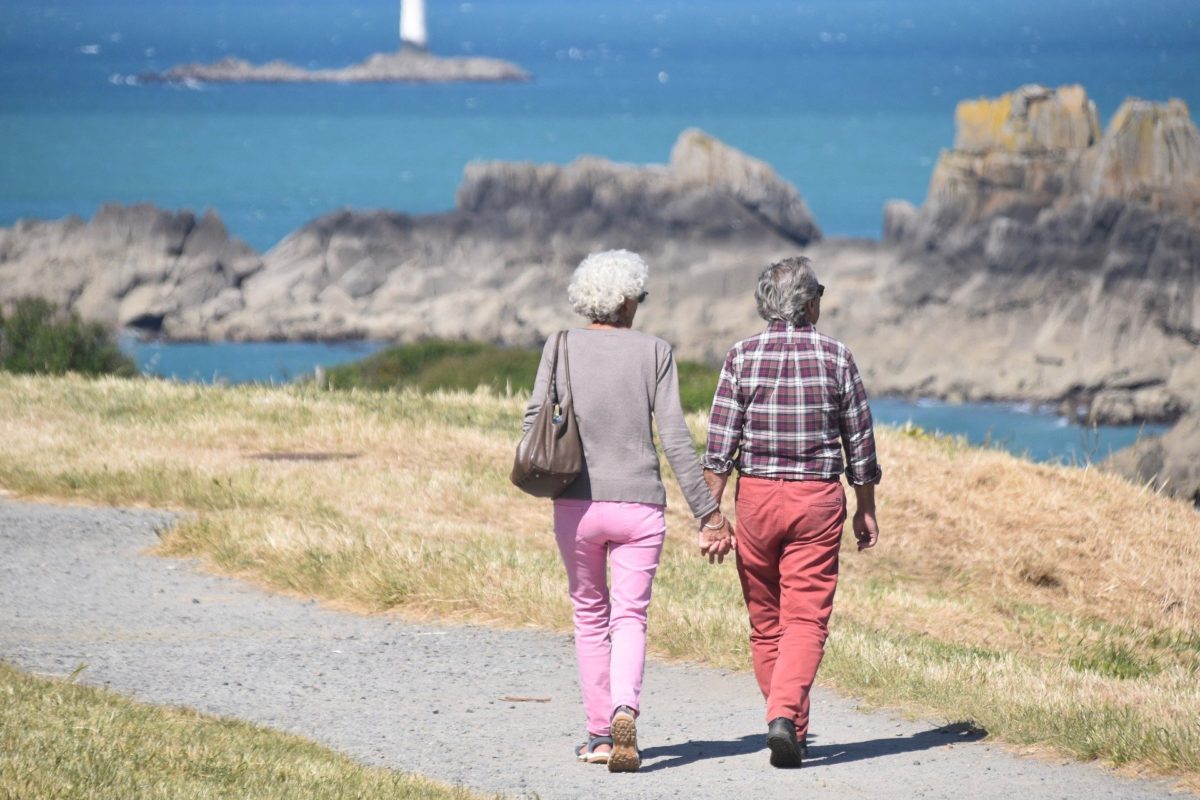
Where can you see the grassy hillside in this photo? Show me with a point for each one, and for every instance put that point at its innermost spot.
(1049, 605)
(441, 365)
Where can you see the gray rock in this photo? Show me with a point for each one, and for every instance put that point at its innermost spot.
(1032, 119)
(403, 66)
(708, 190)
(1169, 463)
(134, 266)
(1150, 153)
(1062, 266)
(701, 161)
(495, 267)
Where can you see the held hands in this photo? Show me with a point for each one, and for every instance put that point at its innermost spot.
(716, 537)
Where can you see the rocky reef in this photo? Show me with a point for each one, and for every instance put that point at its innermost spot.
(403, 66)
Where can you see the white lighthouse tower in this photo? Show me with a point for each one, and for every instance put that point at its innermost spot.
(412, 25)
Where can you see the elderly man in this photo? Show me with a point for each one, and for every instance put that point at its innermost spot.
(788, 400)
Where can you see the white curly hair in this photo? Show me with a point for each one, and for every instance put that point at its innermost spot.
(602, 281)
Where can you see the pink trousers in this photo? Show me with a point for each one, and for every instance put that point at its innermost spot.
(610, 623)
(789, 534)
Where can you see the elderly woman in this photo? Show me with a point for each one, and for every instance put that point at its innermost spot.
(621, 381)
(788, 401)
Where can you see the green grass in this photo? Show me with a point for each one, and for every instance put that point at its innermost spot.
(697, 382)
(1116, 660)
(62, 740)
(437, 365)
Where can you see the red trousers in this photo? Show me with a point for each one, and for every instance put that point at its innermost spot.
(788, 536)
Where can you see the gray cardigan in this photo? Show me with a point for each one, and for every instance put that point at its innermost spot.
(621, 380)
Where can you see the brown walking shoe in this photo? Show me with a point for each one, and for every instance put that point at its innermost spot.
(625, 756)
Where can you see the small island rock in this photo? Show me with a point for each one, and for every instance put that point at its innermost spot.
(403, 66)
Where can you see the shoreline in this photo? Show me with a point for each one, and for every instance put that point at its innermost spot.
(1038, 407)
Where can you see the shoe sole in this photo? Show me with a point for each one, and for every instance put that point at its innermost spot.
(784, 754)
(624, 756)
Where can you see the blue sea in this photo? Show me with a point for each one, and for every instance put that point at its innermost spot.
(850, 100)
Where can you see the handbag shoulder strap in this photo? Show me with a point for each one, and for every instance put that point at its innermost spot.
(552, 385)
(566, 361)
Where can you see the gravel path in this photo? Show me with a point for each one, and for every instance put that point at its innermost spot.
(75, 588)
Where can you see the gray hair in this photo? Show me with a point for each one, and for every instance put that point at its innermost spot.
(784, 288)
(602, 281)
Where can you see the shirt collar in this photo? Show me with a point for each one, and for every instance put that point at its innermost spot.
(779, 326)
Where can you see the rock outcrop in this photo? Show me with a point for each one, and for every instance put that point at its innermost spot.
(507, 250)
(708, 191)
(495, 267)
(1039, 150)
(1065, 264)
(1168, 463)
(403, 66)
(136, 266)
(1151, 154)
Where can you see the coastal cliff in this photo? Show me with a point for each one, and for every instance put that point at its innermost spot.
(1064, 262)
(403, 66)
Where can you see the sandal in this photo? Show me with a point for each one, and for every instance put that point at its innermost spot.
(586, 753)
(625, 755)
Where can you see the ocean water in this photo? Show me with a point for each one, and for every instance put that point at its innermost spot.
(240, 362)
(1038, 434)
(851, 100)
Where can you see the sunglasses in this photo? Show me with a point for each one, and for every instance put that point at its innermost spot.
(820, 290)
(641, 298)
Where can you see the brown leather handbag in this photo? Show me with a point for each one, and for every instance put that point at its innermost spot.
(550, 455)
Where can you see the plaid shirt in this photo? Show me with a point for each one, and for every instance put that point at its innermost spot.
(788, 398)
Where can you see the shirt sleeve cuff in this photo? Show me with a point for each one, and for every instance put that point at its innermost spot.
(873, 477)
(721, 466)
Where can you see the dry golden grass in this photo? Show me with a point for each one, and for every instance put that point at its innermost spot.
(1050, 605)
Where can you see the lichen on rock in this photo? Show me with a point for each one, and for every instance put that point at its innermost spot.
(1032, 119)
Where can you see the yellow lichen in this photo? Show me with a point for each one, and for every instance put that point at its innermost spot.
(983, 124)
